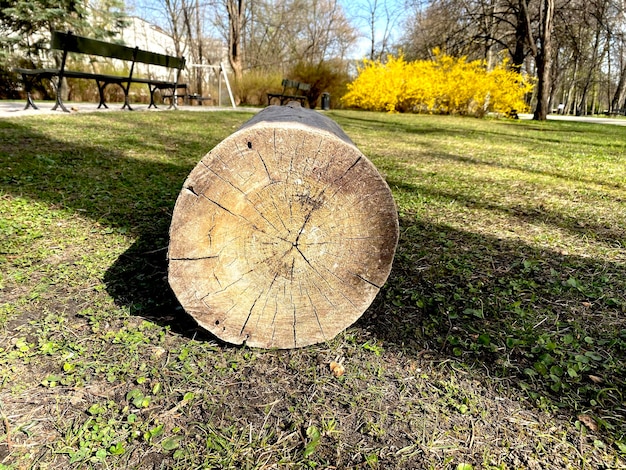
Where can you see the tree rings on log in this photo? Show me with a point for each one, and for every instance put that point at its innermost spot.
(283, 234)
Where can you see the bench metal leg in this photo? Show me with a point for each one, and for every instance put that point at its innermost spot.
(126, 99)
(29, 101)
(152, 103)
(101, 86)
(59, 103)
(28, 85)
(59, 100)
(174, 101)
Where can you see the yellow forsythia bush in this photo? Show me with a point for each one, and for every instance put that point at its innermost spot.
(445, 85)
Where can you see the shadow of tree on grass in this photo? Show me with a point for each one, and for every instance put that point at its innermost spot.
(124, 171)
(548, 323)
(537, 319)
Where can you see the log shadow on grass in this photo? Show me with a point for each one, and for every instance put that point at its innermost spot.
(138, 280)
(547, 324)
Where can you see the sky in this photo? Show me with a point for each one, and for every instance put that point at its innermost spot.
(359, 12)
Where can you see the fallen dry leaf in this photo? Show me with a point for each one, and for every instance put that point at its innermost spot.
(595, 379)
(589, 422)
(337, 369)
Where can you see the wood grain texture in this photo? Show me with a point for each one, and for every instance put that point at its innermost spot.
(283, 234)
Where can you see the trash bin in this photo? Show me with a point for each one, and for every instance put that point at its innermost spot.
(325, 101)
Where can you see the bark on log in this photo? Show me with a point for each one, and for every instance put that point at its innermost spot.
(283, 234)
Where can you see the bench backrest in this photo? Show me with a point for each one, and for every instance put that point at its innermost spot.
(71, 43)
(286, 83)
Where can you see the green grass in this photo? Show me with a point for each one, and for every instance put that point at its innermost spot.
(498, 342)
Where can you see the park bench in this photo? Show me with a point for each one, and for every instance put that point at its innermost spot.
(198, 99)
(189, 98)
(68, 42)
(291, 92)
(616, 112)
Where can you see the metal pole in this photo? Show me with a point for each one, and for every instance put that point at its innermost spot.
(230, 93)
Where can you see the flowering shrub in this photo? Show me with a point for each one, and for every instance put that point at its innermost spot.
(445, 85)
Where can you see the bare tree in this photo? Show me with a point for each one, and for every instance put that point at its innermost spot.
(541, 49)
(377, 20)
(269, 33)
(460, 28)
(236, 10)
(323, 31)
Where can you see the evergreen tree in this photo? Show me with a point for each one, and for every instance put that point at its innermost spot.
(25, 24)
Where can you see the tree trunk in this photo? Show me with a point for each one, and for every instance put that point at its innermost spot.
(236, 10)
(596, 58)
(283, 234)
(544, 61)
(619, 92)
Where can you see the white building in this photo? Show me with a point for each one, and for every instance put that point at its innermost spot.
(139, 33)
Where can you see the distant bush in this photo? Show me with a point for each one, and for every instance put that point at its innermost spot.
(11, 85)
(445, 85)
(328, 76)
(256, 84)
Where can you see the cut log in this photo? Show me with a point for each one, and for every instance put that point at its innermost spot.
(283, 234)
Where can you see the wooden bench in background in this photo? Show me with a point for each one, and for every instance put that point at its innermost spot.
(68, 42)
(291, 92)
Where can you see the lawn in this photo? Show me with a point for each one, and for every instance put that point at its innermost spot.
(498, 342)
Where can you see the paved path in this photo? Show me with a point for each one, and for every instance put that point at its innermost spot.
(590, 119)
(16, 108)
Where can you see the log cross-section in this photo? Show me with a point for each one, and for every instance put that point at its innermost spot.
(283, 234)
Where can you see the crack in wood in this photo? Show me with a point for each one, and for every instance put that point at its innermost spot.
(262, 215)
(331, 288)
(225, 315)
(350, 168)
(216, 279)
(274, 321)
(267, 171)
(227, 287)
(295, 322)
(301, 231)
(361, 181)
(236, 188)
(306, 161)
(250, 313)
(267, 298)
(254, 226)
(280, 218)
(366, 280)
(319, 323)
(194, 258)
(222, 207)
(323, 294)
(341, 281)
(293, 264)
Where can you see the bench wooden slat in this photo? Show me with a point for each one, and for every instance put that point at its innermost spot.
(72, 43)
(83, 45)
